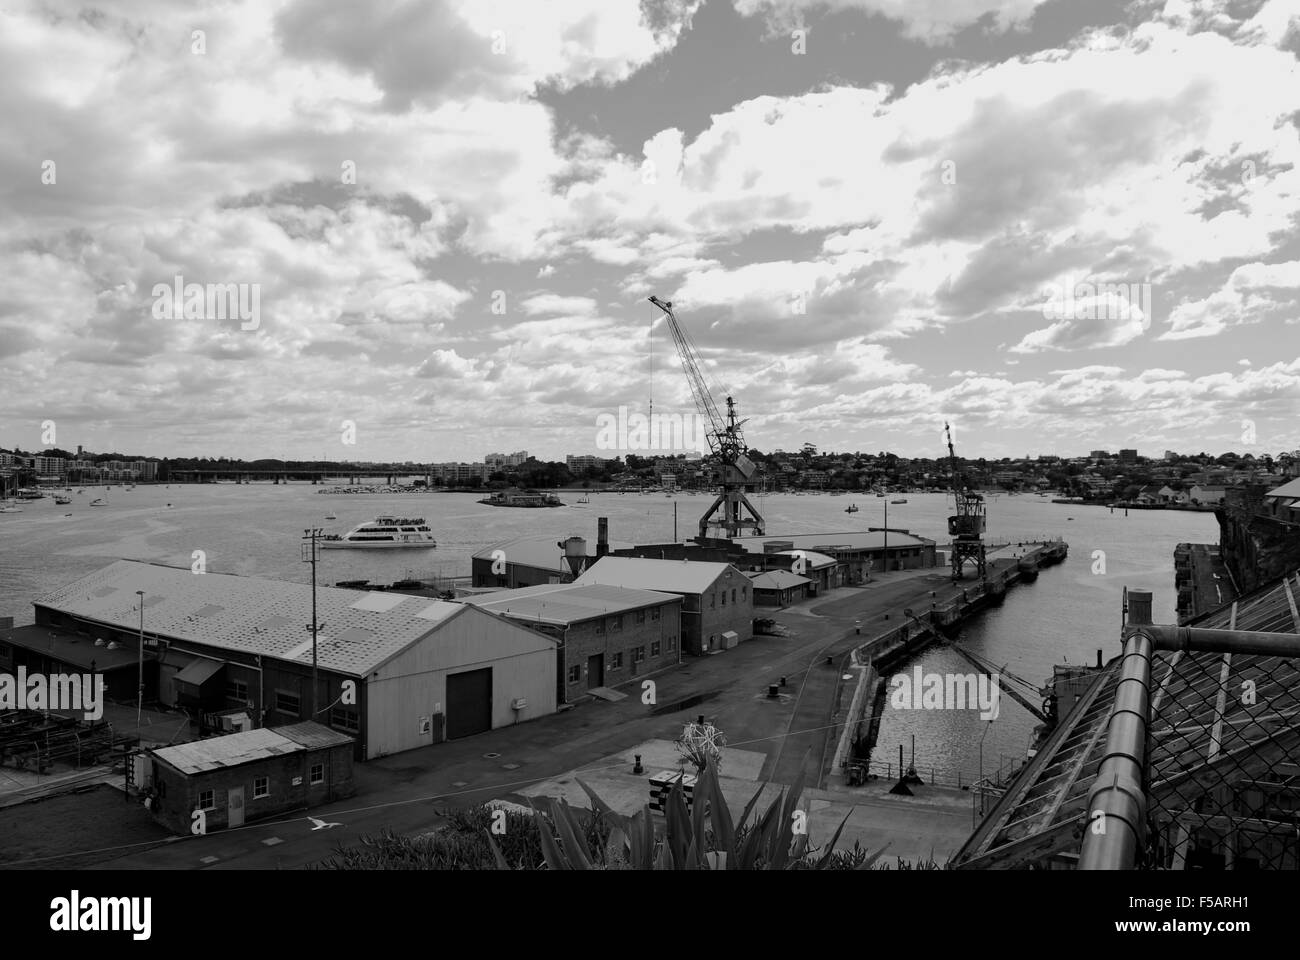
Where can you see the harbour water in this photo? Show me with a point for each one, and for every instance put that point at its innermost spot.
(255, 529)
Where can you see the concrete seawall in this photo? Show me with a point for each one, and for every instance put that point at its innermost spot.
(914, 633)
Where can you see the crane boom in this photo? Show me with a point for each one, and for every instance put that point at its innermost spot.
(726, 441)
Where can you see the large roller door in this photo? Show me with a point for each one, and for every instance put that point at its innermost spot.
(469, 703)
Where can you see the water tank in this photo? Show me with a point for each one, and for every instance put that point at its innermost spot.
(575, 553)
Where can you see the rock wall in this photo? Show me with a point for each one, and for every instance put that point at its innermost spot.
(1256, 549)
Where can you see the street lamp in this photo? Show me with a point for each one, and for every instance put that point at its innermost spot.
(309, 555)
(139, 697)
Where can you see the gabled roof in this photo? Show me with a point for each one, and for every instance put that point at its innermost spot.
(1289, 489)
(777, 580)
(674, 576)
(362, 629)
(564, 603)
(215, 753)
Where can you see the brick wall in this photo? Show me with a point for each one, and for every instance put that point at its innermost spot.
(177, 795)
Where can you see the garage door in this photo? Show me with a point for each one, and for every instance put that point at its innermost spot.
(469, 703)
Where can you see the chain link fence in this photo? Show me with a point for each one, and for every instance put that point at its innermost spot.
(1223, 762)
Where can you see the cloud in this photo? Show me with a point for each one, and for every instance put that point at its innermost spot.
(1254, 292)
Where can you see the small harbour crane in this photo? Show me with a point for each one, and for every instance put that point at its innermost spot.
(731, 511)
(966, 526)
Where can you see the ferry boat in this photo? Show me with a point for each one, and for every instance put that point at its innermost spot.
(510, 498)
(851, 508)
(384, 533)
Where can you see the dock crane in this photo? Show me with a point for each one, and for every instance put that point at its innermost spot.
(731, 510)
(966, 526)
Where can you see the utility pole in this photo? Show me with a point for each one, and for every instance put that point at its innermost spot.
(139, 697)
(886, 532)
(309, 555)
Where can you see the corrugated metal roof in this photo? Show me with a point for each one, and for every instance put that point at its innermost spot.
(313, 736)
(674, 576)
(1289, 489)
(258, 616)
(200, 756)
(562, 603)
(777, 580)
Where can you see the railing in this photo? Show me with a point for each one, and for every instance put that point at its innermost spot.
(1201, 766)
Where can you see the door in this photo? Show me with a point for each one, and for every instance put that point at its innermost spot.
(596, 671)
(235, 807)
(469, 703)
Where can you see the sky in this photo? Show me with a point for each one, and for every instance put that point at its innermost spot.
(1057, 225)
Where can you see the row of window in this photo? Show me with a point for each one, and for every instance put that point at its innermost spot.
(261, 787)
(713, 597)
(615, 624)
(616, 659)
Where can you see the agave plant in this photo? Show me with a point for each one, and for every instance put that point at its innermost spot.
(701, 837)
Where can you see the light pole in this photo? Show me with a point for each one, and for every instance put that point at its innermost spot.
(139, 697)
(309, 556)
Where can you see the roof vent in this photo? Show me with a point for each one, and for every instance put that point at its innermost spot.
(99, 641)
(114, 645)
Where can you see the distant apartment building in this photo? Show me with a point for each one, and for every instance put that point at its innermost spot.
(1099, 455)
(1170, 455)
(1128, 456)
(49, 466)
(459, 474)
(505, 461)
(582, 463)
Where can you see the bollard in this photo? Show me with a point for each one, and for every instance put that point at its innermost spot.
(783, 681)
(638, 768)
(772, 693)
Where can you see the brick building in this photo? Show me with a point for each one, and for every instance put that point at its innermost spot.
(717, 599)
(607, 635)
(249, 776)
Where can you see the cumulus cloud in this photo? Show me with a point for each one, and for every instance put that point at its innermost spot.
(1252, 293)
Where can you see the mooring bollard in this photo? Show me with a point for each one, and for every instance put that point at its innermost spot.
(638, 768)
(772, 693)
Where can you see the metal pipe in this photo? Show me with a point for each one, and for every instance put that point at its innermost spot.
(1116, 811)
(1215, 640)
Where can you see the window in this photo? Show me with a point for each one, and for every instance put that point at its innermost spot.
(317, 773)
(345, 719)
(616, 624)
(638, 654)
(654, 648)
(600, 627)
(744, 593)
(261, 787)
(616, 661)
(672, 643)
(640, 616)
(207, 801)
(289, 703)
(575, 673)
(654, 614)
(733, 594)
(724, 598)
(237, 690)
(713, 600)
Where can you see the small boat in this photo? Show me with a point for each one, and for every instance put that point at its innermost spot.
(584, 499)
(10, 508)
(899, 500)
(330, 516)
(851, 508)
(63, 501)
(880, 494)
(99, 502)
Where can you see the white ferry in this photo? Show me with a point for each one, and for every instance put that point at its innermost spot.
(384, 532)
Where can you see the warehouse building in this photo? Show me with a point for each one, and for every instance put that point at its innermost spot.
(606, 635)
(717, 600)
(243, 777)
(395, 671)
(857, 553)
